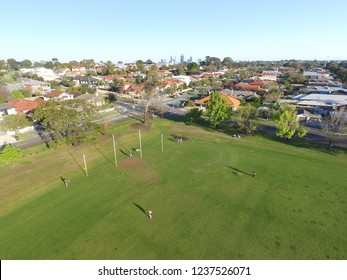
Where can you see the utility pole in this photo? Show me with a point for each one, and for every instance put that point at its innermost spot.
(140, 143)
(115, 151)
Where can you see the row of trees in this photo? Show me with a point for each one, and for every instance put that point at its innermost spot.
(244, 119)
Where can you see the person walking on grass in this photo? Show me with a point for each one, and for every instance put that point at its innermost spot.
(150, 214)
(66, 182)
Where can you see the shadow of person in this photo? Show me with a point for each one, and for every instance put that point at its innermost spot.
(240, 171)
(142, 210)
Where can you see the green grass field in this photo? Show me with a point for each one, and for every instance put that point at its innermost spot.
(205, 202)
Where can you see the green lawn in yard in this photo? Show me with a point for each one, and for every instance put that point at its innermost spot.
(206, 204)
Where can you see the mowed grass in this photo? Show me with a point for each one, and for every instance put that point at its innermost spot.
(205, 202)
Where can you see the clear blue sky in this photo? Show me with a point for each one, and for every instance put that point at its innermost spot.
(153, 29)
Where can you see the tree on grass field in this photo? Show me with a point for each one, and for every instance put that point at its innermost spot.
(288, 126)
(193, 116)
(245, 119)
(333, 124)
(69, 121)
(10, 154)
(151, 83)
(216, 109)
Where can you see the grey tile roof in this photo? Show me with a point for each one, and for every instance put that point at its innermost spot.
(4, 106)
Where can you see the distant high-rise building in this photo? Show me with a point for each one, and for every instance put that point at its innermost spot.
(182, 58)
(191, 59)
(170, 60)
(199, 60)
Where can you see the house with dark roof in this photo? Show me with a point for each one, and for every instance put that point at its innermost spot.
(84, 80)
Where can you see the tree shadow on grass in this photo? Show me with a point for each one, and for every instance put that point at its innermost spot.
(142, 210)
(101, 153)
(82, 169)
(239, 171)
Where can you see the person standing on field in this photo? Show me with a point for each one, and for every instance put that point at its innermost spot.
(150, 214)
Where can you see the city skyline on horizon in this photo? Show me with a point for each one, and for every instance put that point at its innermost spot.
(104, 30)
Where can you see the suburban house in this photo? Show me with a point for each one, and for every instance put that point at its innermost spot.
(231, 101)
(269, 75)
(304, 115)
(131, 90)
(25, 105)
(317, 73)
(35, 86)
(248, 87)
(46, 74)
(92, 98)
(59, 95)
(164, 73)
(84, 80)
(324, 101)
(6, 109)
(182, 78)
(326, 89)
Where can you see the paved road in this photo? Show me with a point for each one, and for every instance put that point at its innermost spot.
(125, 110)
(313, 135)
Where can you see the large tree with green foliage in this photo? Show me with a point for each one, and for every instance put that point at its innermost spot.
(288, 126)
(20, 93)
(212, 61)
(12, 64)
(192, 66)
(216, 109)
(244, 119)
(295, 78)
(26, 63)
(10, 154)
(193, 115)
(227, 62)
(70, 121)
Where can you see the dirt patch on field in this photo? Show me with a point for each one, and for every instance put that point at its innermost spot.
(139, 169)
(132, 163)
(179, 139)
(142, 126)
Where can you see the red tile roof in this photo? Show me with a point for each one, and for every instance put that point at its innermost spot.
(231, 100)
(248, 87)
(53, 94)
(24, 105)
